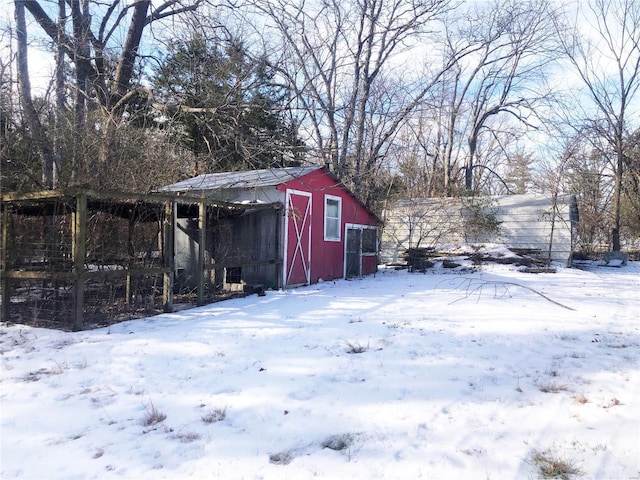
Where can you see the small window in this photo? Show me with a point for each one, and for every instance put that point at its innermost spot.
(234, 275)
(332, 211)
(369, 241)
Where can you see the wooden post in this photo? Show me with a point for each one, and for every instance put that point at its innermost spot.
(131, 260)
(202, 240)
(6, 290)
(128, 294)
(79, 248)
(168, 232)
(279, 248)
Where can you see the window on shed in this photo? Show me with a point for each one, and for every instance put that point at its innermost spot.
(369, 241)
(332, 212)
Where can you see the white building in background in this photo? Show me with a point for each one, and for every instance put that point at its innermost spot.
(524, 222)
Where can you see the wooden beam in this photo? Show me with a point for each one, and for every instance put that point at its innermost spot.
(39, 275)
(202, 240)
(39, 195)
(6, 264)
(168, 232)
(154, 197)
(279, 246)
(242, 263)
(97, 274)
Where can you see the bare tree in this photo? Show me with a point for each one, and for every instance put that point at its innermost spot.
(602, 45)
(37, 131)
(588, 177)
(492, 93)
(103, 69)
(339, 58)
(509, 45)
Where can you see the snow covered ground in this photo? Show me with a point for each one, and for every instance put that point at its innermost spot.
(447, 374)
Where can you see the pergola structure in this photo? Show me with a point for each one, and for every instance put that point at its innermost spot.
(78, 257)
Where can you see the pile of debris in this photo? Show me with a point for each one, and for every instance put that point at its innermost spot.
(422, 259)
(418, 259)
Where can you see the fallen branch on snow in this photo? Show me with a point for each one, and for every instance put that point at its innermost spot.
(475, 286)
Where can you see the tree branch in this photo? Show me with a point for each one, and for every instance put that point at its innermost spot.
(479, 284)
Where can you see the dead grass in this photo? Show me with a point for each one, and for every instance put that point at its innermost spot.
(581, 399)
(614, 402)
(215, 415)
(551, 386)
(187, 437)
(550, 466)
(153, 416)
(281, 458)
(338, 442)
(57, 369)
(356, 348)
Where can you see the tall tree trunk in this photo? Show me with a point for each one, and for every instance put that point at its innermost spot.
(60, 98)
(81, 53)
(617, 192)
(124, 70)
(122, 80)
(468, 169)
(37, 132)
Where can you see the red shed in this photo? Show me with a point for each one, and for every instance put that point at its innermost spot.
(316, 229)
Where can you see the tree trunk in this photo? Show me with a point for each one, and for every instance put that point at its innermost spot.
(60, 97)
(617, 191)
(468, 169)
(36, 130)
(124, 71)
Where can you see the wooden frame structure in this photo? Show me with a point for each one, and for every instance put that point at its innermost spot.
(72, 210)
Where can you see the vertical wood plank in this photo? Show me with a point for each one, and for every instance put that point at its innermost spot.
(168, 232)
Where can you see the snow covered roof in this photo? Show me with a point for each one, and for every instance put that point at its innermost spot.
(243, 179)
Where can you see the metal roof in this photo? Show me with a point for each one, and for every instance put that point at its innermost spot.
(243, 179)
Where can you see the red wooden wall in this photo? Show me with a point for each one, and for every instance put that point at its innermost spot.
(327, 257)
